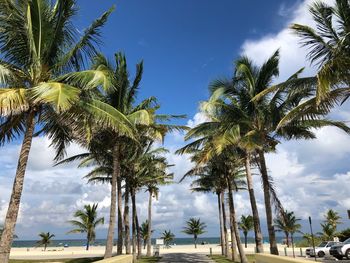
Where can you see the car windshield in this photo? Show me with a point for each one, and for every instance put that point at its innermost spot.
(323, 244)
(347, 241)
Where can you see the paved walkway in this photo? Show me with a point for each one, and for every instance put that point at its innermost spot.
(187, 258)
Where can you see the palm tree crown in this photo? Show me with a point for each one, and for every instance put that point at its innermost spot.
(328, 44)
(167, 236)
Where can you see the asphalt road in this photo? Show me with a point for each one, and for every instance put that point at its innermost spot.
(329, 260)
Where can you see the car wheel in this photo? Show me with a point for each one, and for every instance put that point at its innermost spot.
(320, 254)
(347, 253)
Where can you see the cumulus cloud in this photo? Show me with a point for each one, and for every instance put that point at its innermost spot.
(293, 57)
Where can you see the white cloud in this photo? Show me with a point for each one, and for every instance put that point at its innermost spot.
(198, 118)
(293, 57)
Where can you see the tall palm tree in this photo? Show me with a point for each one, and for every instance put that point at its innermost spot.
(288, 223)
(209, 181)
(86, 222)
(40, 50)
(121, 97)
(105, 144)
(145, 169)
(211, 178)
(194, 227)
(167, 236)
(156, 174)
(246, 224)
(45, 239)
(208, 143)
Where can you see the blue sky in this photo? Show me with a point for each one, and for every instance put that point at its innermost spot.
(185, 44)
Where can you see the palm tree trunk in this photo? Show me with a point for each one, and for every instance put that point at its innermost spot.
(12, 211)
(127, 220)
(149, 238)
(120, 217)
(233, 248)
(133, 203)
(292, 239)
(139, 246)
(223, 209)
(234, 226)
(87, 242)
(195, 241)
(287, 238)
(45, 247)
(256, 219)
(221, 226)
(112, 213)
(245, 239)
(267, 198)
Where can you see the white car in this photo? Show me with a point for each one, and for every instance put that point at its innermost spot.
(321, 250)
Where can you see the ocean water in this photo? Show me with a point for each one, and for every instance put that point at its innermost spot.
(101, 242)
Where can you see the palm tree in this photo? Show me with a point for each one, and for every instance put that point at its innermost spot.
(211, 178)
(144, 233)
(145, 169)
(167, 236)
(328, 232)
(246, 225)
(332, 218)
(120, 96)
(288, 223)
(40, 50)
(156, 175)
(87, 221)
(194, 227)
(328, 47)
(206, 145)
(45, 239)
(281, 225)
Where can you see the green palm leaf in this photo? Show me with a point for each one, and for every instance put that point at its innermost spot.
(61, 96)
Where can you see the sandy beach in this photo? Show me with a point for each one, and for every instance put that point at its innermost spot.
(98, 251)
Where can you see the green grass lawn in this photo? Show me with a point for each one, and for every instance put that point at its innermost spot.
(148, 259)
(222, 259)
(75, 260)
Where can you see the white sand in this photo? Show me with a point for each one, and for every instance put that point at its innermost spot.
(98, 251)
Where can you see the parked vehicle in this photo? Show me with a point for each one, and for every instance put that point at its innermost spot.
(341, 250)
(321, 250)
